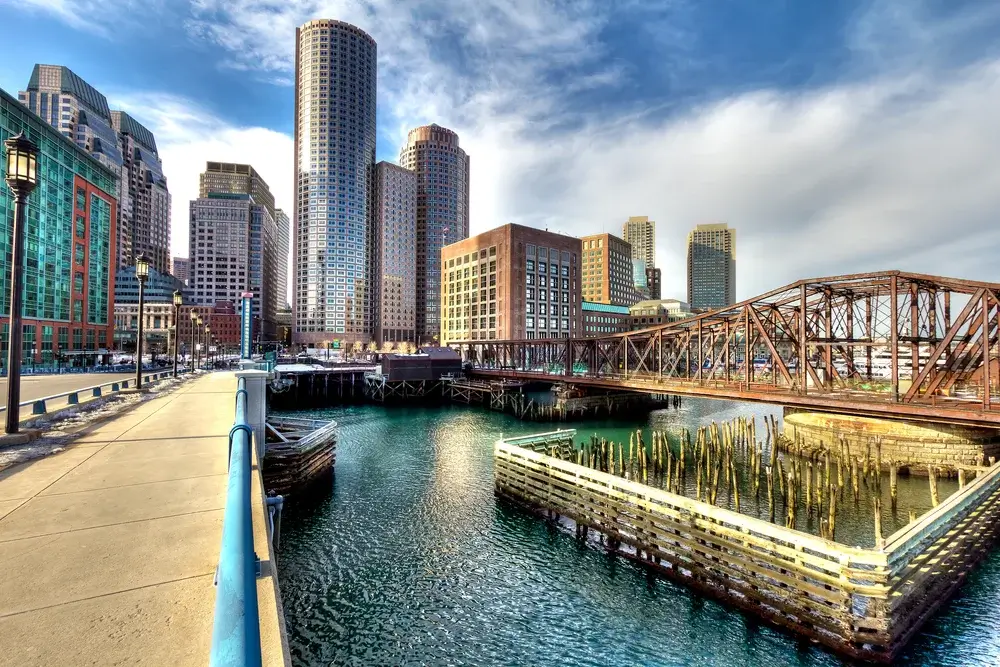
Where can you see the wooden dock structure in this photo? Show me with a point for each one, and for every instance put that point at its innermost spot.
(299, 451)
(863, 603)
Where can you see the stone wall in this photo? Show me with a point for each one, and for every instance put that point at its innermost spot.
(914, 443)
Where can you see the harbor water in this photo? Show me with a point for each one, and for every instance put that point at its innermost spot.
(407, 558)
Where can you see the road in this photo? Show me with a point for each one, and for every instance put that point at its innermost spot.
(38, 386)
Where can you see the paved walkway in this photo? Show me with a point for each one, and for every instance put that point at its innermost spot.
(108, 549)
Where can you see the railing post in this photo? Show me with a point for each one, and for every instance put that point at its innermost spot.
(256, 386)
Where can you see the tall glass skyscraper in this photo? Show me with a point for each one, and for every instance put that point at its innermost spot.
(711, 266)
(334, 247)
(442, 169)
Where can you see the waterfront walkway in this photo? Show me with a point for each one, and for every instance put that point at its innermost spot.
(108, 549)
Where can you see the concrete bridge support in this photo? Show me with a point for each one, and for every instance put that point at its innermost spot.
(908, 442)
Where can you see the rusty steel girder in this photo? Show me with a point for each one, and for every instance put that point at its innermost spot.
(848, 342)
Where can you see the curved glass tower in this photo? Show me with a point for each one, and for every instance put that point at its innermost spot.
(334, 295)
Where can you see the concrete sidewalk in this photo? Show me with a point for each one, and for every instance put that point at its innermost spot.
(108, 549)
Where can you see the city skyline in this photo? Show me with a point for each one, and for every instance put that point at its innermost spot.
(797, 142)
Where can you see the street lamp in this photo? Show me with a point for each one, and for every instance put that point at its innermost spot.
(141, 273)
(200, 322)
(208, 345)
(178, 302)
(21, 177)
(194, 320)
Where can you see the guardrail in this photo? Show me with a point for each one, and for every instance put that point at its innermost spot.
(39, 406)
(236, 629)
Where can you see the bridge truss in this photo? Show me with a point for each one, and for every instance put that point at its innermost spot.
(890, 343)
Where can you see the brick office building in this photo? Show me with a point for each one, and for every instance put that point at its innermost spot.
(512, 282)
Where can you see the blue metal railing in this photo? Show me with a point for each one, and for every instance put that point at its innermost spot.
(236, 630)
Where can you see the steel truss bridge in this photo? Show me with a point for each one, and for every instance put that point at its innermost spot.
(890, 344)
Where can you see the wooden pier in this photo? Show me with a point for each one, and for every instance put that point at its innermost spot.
(299, 451)
(863, 603)
(315, 387)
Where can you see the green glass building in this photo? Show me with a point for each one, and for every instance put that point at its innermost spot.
(68, 316)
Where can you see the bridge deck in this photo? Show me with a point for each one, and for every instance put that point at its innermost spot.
(108, 549)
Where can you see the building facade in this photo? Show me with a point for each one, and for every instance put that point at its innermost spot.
(607, 270)
(159, 288)
(653, 278)
(233, 178)
(442, 169)
(283, 239)
(69, 273)
(333, 248)
(395, 213)
(601, 319)
(144, 194)
(221, 317)
(655, 312)
(640, 233)
(266, 268)
(180, 269)
(512, 282)
(711, 266)
(231, 240)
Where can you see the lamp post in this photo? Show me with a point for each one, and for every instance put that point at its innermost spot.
(22, 177)
(208, 345)
(194, 319)
(178, 302)
(200, 323)
(141, 273)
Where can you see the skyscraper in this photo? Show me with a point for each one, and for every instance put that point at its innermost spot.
(179, 268)
(442, 169)
(395, 215)
(640, 232)
(711, 266)
(607, 270)
(234, 243)
(281, 256)
(147, 216)
(81, 113)
(334, 249)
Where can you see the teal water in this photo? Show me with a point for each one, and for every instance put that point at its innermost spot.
(407, 558)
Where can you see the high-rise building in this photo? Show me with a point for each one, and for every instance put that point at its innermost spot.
(81, 113)
(221, 177)
(180, 269)
(284, 231)
(640, 232)
(231, 243)
(395, 214)
(263, 260)
(607, 270)
(711, 266)
(511, 282)
(69, 272)
(147, 215)
(442, 169)
(653, 278)
(334, 255)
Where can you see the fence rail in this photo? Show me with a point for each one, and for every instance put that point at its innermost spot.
(236, 628)
(866, 603)
(40, 406)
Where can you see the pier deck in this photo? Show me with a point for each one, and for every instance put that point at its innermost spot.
(108, 549)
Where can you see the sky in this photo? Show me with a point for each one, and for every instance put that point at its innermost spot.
(835, 136)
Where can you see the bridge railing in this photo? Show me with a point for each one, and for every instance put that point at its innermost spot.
(236, 628)
(41, 406)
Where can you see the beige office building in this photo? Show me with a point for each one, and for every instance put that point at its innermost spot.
(711, 266)
(640, 233)
(607, 270)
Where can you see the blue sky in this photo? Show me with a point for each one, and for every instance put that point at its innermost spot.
(836, 136)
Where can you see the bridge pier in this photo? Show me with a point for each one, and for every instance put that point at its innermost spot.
(907, 442)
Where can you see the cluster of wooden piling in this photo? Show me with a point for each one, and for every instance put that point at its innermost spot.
(813, 481)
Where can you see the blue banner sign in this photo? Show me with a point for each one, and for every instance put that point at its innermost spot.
(246, 326)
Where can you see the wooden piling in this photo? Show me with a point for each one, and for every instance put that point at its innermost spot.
(932, 478)
(892, 483)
